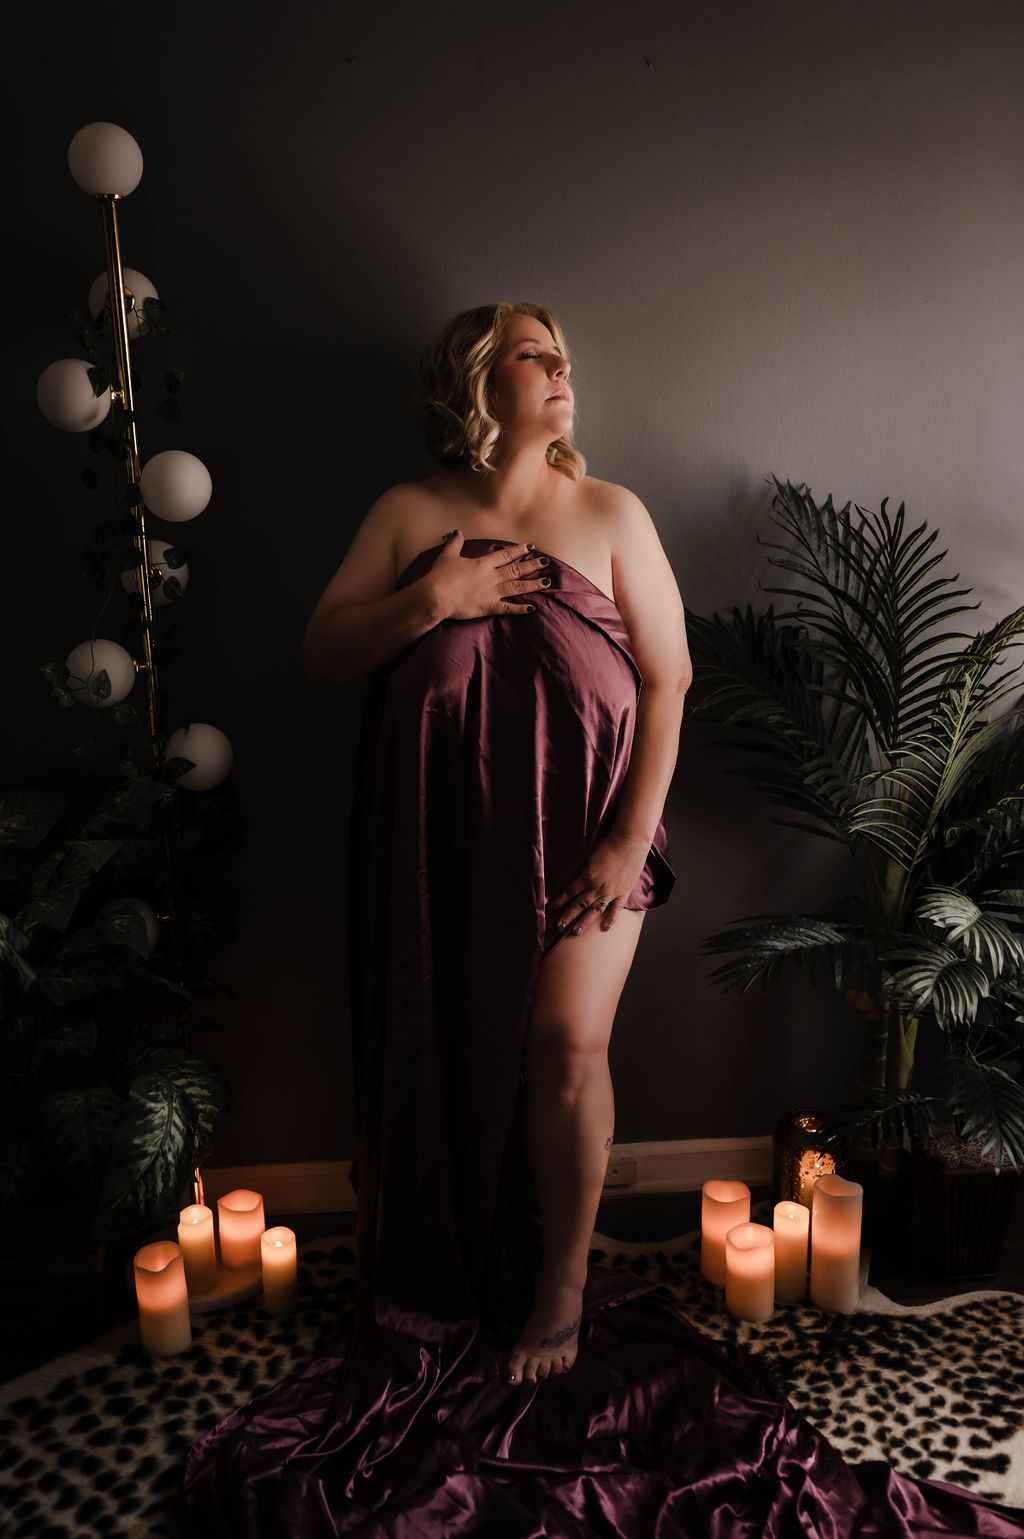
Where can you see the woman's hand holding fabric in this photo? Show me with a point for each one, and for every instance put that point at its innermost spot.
(500, 583)
(602, 887)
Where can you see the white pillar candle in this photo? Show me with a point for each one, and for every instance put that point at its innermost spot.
(240, 1220)
(750, 1272)
(835, 1244)
(280, 1280)
(162, 1295)
(724, 1204)
(792, 1226)
(198, 1247)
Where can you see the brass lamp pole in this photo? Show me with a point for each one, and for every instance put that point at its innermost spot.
(118, 300)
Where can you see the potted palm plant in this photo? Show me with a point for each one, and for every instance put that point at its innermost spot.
(868, 719)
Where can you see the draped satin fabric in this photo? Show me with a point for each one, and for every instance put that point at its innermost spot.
(492, 755)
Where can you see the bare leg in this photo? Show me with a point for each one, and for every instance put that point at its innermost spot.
(568, 1121)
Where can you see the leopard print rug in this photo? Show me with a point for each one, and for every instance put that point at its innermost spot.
(94, 1442)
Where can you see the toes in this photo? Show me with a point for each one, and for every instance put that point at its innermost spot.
(512, 1370)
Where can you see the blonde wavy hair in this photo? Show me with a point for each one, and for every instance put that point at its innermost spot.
(453, 406)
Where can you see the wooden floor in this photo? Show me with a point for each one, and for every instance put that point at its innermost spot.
(41, 1323)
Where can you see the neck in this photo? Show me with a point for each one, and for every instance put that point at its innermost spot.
(520, 482)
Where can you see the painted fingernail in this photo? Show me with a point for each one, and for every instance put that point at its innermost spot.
(545, 582)
(576, 930)
(543, 560)
(561, 924)
(530, 608)
(531, 547)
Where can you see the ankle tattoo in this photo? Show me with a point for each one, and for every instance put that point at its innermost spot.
(561, 1337)
(607, 1143)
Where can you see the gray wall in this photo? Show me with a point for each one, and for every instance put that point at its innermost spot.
(783, 238)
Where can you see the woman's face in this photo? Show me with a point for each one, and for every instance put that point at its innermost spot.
(529, 384)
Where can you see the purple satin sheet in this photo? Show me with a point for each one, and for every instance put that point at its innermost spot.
(491, 758)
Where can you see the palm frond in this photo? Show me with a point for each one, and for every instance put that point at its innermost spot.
(987, 1101)
(832, 951)
(983, 936)
(938, 979)
(753, 675)
(865, 592)
(881, 1114)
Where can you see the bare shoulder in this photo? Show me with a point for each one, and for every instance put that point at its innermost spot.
(623, 522)
(644, 585)
(369, 568)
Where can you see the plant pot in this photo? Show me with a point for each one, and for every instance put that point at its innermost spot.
(966, 1213)
(888, 1210)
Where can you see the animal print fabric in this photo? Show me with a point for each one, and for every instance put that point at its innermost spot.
(94, 1443)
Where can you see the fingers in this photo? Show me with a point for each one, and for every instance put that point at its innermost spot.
(585, 910)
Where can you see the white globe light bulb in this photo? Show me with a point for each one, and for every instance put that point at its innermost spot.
(140, 288)
(157, 550)
(66, 398)
(211, 754)
(142, 908)
(175, 485)
(92, 658)
(105, 160)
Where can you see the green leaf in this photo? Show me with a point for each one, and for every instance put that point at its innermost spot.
(27, 816)
(68, 1039)
(987, 1101)
(77, 1131)
(883, 1114)
(938, 980)
(22, 1172)
(175, 768)
(124, 926)
(983, 936)
(171, 1112)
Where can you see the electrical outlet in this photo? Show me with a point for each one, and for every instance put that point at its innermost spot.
(621, 1168)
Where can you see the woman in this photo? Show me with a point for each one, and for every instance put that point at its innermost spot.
(499, 410)
(529, 666)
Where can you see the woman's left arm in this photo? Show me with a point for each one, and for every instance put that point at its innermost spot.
(647, 597)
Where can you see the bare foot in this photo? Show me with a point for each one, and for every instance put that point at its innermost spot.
(549, 1339)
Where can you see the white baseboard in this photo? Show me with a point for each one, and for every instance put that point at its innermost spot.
(678, 1165)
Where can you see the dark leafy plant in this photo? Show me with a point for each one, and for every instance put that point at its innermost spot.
(101, 1096)
(874, 724)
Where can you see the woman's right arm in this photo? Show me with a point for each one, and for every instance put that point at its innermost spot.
(362, 621)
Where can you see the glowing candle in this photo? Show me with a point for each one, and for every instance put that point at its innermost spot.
(750, 1272)
(198, 1247)
(835, 1244)
(792, 1225)
(162, 1295)
(280, 1282)
(240, 1220)
(724, 1204)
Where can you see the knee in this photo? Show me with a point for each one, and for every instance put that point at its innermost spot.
(565, 1062)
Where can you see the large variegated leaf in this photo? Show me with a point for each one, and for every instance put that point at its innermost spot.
(77, 1127)
(26, 816)
(171, 1115)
